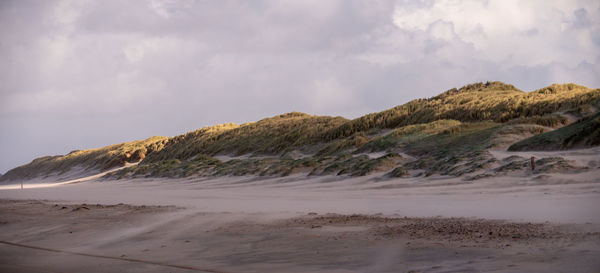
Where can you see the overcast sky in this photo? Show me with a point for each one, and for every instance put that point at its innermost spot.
(85, 74)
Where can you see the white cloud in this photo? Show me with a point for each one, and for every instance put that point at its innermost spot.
(67, 11)
(512, 31)
(169, 8)
(55, 51)
(441, 30)
(136, 51)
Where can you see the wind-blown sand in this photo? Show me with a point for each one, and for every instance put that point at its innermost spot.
(519, 222)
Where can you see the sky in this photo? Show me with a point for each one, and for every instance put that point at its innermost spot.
(85, 74)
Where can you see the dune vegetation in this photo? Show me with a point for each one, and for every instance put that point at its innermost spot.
(493, 101)
(449, 134)
(100, 159)
(584, 132)
(282, 133)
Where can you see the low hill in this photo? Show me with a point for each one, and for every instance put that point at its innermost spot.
(449, 134)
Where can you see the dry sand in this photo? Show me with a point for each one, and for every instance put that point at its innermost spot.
(47, 237)
(519, 222)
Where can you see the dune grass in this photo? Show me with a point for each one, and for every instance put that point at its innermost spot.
(448, 134)
(406, 134)
(494, 101)
(583, 133)
(92, 159)
(275, 135)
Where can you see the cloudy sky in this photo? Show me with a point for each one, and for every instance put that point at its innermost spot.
(83, 74)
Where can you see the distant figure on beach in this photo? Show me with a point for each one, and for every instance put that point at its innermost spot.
(533, 163)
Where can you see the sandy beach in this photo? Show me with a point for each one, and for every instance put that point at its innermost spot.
(49, 237)
(514, 223)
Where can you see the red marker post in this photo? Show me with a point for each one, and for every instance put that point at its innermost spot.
(533, 163)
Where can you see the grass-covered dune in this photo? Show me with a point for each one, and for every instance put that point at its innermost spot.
(494, 101)
(448, 134)
(268, 136)
(583, 133)
(92, 160)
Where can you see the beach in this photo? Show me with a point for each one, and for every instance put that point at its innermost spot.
(510, 223)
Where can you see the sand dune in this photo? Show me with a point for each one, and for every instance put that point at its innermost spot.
(58, 180)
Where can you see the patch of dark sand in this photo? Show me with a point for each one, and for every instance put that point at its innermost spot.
(373, 243)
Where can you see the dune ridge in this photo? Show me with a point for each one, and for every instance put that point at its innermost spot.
(448, 134)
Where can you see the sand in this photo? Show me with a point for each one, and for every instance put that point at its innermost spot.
(47, 237)
(517, 222)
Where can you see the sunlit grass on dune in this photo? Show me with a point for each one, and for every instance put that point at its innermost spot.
(442, 132)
